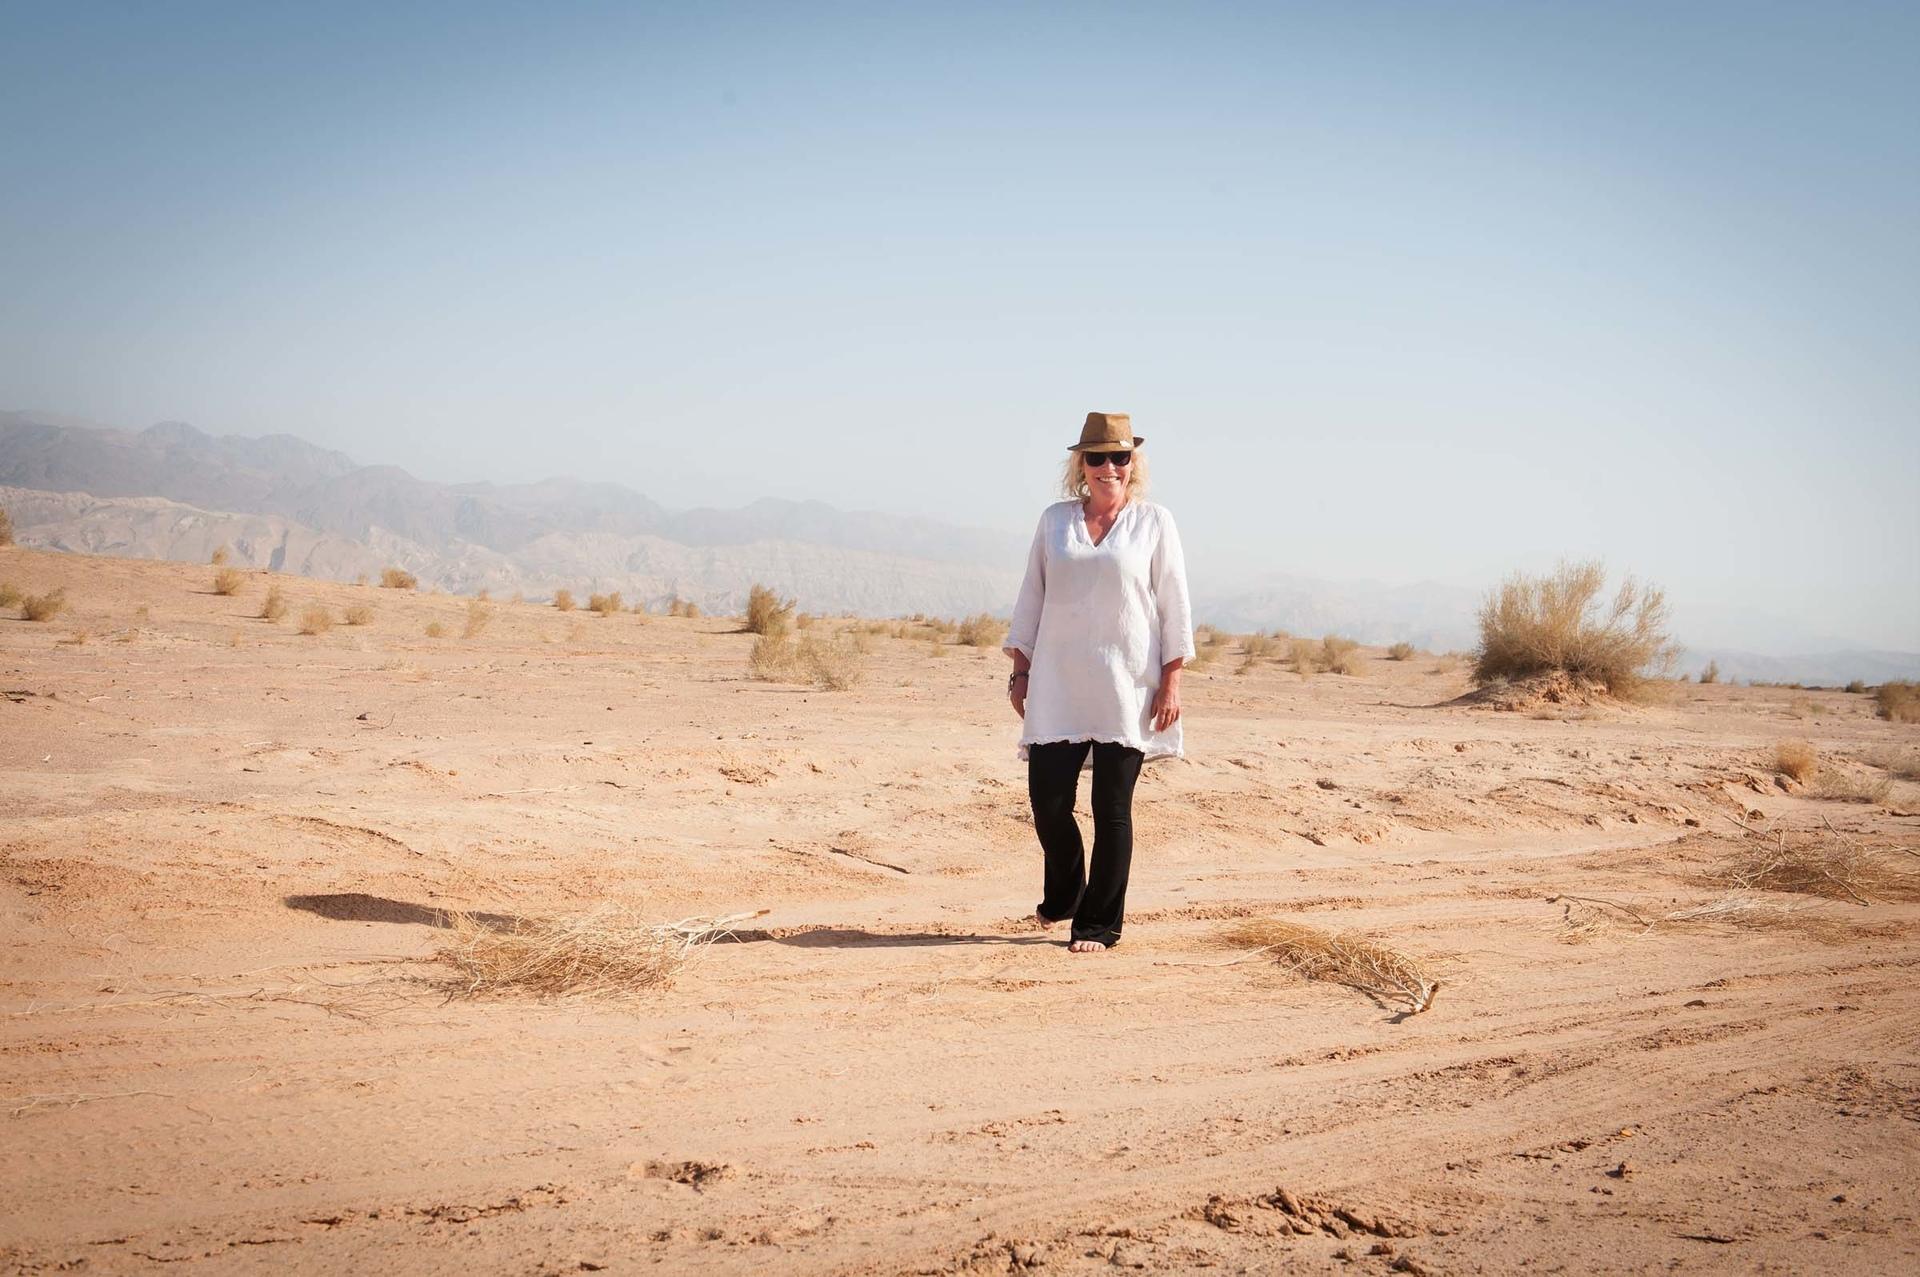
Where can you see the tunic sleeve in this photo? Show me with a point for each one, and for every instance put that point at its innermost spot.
(1170, 594)
(1025, 628)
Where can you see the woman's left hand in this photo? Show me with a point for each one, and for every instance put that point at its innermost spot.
(1166, 705)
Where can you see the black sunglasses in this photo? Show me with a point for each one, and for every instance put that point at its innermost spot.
(1091, 459)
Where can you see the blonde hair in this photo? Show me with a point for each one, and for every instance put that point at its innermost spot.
(1073, 480)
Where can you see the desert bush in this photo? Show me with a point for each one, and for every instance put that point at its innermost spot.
(1536, 625)
(6, 527)
(436, 630)
(563, 600)
(316, 620)
(1902, 763)
(274, 606)
(1797, 759)
(228, 581)
(767, 612)
(774, 659)
(1851, 787)
(479, 617)
(397, 579)
(1898, 701)
(1259, 644)
(981, 629)
(220, 557)
(1400, 652)
(1341, 958)
(43, 607)
(606, 604)
(1711, 674)
(9, 594)
(1803, 707)
(835, 666)
(1339, 655)
(609, 952)
(1820, 863)
(1856, 687)
(359, 614)
(1305, 656)
(803, 621)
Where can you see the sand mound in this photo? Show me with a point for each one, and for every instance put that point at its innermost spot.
(1555, 687)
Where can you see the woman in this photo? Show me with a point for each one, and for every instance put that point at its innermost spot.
(1099, 634)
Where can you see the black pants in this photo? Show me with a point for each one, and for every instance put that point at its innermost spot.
(1095, 902)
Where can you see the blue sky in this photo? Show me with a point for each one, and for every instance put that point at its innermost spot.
(1399, 291)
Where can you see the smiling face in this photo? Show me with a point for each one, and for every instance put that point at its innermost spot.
(1105, 482)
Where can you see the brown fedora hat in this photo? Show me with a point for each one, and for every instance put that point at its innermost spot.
(1107, 432)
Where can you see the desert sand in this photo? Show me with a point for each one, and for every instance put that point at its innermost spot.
(227, 1043)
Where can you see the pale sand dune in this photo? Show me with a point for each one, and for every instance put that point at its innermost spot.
(224, 1040)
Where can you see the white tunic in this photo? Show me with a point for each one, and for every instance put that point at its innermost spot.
(1098, 622)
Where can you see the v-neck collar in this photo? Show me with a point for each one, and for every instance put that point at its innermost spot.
(1080, 514)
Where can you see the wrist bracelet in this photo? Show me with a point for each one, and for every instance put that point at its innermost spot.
(1011, 677)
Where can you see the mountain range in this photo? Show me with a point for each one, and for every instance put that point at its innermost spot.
(172, 491)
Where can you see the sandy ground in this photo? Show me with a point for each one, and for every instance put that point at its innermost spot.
(226, 1042)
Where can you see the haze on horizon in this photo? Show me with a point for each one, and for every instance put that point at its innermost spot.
(1394, 292)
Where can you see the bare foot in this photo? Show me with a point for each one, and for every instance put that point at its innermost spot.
(1044, 921)
(1086, 946)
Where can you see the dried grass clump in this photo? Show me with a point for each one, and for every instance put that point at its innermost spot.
(43, 607)
(436, 630)
(1259, 644)
(1400, 652)
(1341, 958)
(316, 620)
(982, 629)
(220, 556)
(608, 952)
(1796, 759)
(274, 606)
(479, 617)
(1305, 657)
(1822, 863)
(835, 666)
(1898, 701)
(9, 594)
(563, 600)
(228, 581)
(1711, 674)
(774, 659)
(398, 579)
(606, 604)
(1339, 655)
(1559, 623)
(677, 606)
(1852, 787)
(767, 612)
(6, 527)
(359, 614)
(1899, 762)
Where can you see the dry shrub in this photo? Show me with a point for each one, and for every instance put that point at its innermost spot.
(803, 621)
(1822, 863)
(767, 612)
(228, 581)
(316, 620)
(220, 557)
(608, 952)
(479, 617)
(835, 666)
(397, 579)
(563, 600)
(6, 527)
(436, 630)
(1305, 657)
(1339, 655)
(606, 604)
(1797, 759)
(1341, 958)
(9, 594)
(1400, 652)
(1899, 762)
(774, 659)
(1259, 644)
(43, 607)
(1711, 674)
(982, 629)
(359, 614)
(274, 606)
(1856, 687)
(1803, 707)
(1898, 701)
(1540, 625)
(1852, 787)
